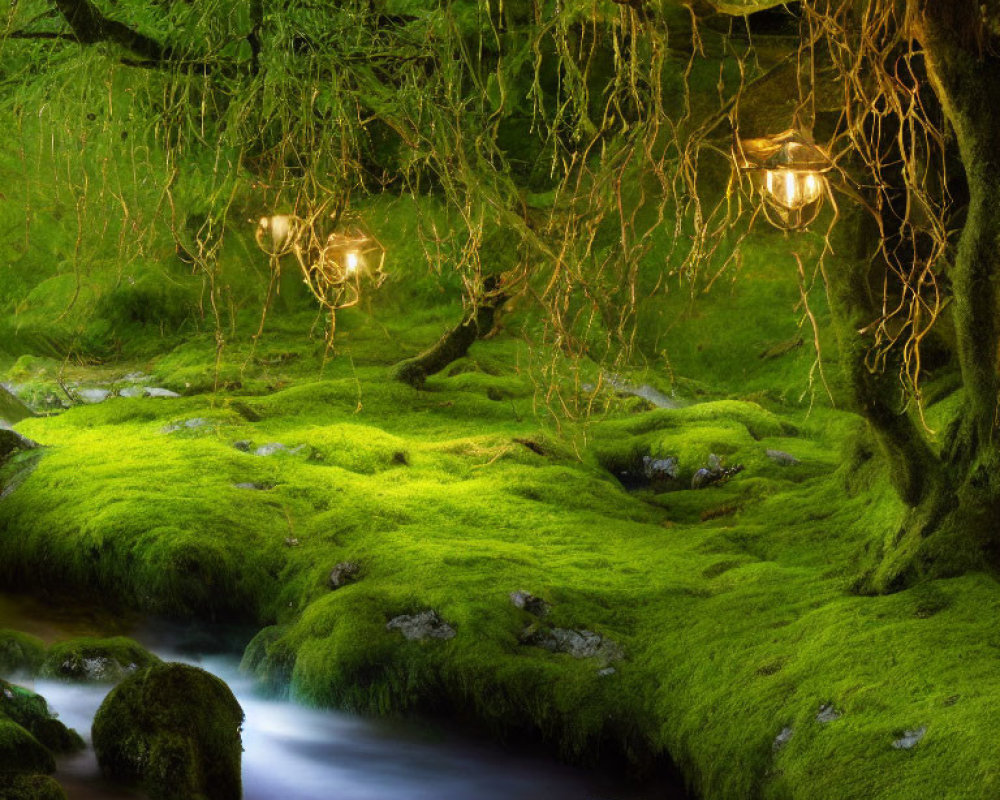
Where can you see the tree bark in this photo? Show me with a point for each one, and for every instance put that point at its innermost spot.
(966, 77)
(456, 342)
(855, 297)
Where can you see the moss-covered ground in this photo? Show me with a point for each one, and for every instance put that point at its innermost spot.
(730, 603)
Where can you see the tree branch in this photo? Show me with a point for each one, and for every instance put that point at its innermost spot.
(90, 26)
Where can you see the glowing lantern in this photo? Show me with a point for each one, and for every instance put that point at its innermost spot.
(332, 265)
(350, 253)
(788, 173)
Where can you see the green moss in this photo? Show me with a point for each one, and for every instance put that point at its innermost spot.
(93, 659)
(20, 653)
(174, 730)
(31, 712)
(20, 752)
(30, 787)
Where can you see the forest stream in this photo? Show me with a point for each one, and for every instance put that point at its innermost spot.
(292, 752)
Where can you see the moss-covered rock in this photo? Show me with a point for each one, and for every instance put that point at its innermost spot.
(20, 752)
(175, 730)
(20, 653)
(31, 712)
(91, 659)
(30, 787)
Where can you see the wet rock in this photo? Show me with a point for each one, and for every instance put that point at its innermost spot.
(606, 672)
(654, 396)
(714, 473)
(782, 738)
(31, 712)
(576, 643)
(96, 660)
(93, 396)
(12, 442)
(425, 625)
(659, 470)
(174, 730)
(271, 448)
(190, 424)
(154, 391)
(530, 603)
(20, 653)
(344, 573)
(909, 739)
(782, 458)
(827, 713)
(257, 487)
(243, 445)
(650, 472)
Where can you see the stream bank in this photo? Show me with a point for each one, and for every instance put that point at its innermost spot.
(293, 752)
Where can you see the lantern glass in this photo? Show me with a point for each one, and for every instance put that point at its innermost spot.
(787, 172)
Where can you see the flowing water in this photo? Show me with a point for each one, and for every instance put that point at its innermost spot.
(292, 752)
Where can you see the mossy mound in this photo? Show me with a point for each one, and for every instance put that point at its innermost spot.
(30, 787)
(31, 712)
(20, 653)
(11, 408)
(93, 659)
(20, 752)
(175, 731)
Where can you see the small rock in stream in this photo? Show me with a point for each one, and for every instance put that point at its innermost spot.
(827, 713)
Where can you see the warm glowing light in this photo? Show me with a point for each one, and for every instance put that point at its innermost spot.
(787, 172)
(793, 189)
(334, 265)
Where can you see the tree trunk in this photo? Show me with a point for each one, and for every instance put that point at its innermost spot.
(950, 524)
(456, 342)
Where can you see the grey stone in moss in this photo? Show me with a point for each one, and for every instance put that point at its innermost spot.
(425, 625)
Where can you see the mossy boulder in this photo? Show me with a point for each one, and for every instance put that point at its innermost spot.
(30, 787)
(20, 752)
(174, 730)
(91, 659)
(20, 653)
(31, 712)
